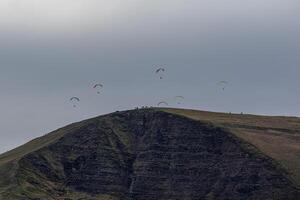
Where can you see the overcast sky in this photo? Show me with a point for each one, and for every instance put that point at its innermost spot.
(51, 50)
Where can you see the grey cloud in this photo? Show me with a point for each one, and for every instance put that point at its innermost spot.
(253, 44)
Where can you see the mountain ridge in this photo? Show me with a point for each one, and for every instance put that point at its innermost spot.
(119, 133)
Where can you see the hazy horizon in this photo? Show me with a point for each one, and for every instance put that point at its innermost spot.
(52, 50)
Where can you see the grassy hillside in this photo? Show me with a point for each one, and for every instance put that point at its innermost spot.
(13, 176)
(277, 137)
(38, 143)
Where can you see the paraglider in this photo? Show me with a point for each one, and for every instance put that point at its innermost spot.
(178, 99)
(160, 72)
(163, 103)
(98, 87)
(223, 84)
(74, 100)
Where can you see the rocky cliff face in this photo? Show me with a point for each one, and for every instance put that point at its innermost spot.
(148, 155)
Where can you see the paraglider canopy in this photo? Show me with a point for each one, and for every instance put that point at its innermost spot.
(98, 86)
(223, 84)
(160, 71)
(162, 103)
(74, 100)
(179, 99)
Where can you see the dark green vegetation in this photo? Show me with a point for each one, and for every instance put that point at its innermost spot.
(155, 154)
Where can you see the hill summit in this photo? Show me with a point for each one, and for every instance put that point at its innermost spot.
(165, 154)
